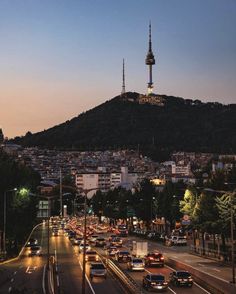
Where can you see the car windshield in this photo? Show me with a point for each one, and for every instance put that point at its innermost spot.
(35, 248)
(124, 252)
(137, 260)
(97, 266)
(157, 278)
(100, 239)
(183, 274)
(91, 252)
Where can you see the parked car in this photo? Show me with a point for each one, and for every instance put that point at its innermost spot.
(178, 240)
(35, 250)
(91, 255)
(136, 264)
(123, 256)
(98, 270)
(100, 242)
(181, 278)
(155, 282)
(155, 258)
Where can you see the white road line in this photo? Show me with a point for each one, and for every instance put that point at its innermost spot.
(202, 288)
(216, 269)
(90, 285)
(10, 288)
(12, 280)
(43, 281)
(172, 290)
(15, 273)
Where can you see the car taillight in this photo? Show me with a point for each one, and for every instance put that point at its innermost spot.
(165, 283)
(151, 258)
(162, 258)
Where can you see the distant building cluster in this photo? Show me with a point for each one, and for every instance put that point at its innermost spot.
(106, 170)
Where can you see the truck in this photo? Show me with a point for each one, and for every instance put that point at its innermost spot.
(139, 248)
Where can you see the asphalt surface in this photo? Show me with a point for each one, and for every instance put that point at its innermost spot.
(137, 276)
(27, 272)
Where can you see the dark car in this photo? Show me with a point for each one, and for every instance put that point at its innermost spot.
(155, 258)
(155, 282)
(181, 278)
(116, 242)
(100, 242)
(123, 256)
(32, 242)
(35, 251)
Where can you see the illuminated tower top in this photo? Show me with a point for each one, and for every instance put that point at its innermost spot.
(150, 60)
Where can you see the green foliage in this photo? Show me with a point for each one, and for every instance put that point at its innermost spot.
(21, 208)
(189, 204)
(179, 125)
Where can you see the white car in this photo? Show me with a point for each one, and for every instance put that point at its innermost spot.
(178, 240)
(136, 264)
(35, 251)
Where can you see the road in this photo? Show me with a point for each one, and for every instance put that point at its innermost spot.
(27, 272)
(138, 276)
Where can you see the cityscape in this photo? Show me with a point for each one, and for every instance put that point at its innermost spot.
(129, 194)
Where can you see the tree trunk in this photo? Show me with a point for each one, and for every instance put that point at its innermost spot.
(203, 243)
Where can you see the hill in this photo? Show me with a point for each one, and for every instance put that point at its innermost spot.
(179, 124)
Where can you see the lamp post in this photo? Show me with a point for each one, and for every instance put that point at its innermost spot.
(85, 191)
(5, 218)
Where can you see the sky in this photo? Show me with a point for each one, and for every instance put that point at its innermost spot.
(59, 58)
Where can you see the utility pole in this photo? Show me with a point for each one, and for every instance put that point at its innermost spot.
(61, 207)
(232, 236)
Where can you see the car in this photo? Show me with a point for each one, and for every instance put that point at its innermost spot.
(81, 247)
(136, 264)
(181, 278)
(155, 258)
(111, 238)
(77, 241)
(35, 250)
(97, 270)
(100, 242)
(178, 240)
(32, 242)
(117, 242)
(91, 255)
(123, 256)
(155, 282)
(55, 232)
(92, 239)
(111, 250)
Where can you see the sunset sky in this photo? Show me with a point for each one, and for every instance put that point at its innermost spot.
(59, 58)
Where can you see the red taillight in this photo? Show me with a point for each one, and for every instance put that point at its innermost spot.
(151, 258)
(162, 258)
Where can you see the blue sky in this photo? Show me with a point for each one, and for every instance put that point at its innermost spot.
(59, 58)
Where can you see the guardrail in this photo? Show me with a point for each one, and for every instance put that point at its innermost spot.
(126, 280)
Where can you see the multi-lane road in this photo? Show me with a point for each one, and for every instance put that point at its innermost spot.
(27, 272)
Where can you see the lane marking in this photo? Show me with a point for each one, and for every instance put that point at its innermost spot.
(172, 290)
(201, 288)
(43, 281)
(12, 280)
(15, 273)
(10, 288)
(90, 285)
(216, 269)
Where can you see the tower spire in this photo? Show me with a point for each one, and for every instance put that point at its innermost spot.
(123, 79)
(150, 60)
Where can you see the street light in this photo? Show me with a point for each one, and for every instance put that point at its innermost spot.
(85, 191)
(5, 218)
(231, 194)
